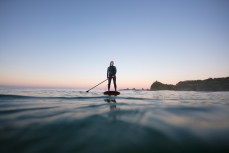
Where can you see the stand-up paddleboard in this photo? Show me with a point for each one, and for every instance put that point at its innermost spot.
(115, 93)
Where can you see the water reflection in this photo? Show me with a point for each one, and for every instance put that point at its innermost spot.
(113, 107)
(112, 102)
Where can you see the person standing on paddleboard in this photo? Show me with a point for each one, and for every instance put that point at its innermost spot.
(111, 74)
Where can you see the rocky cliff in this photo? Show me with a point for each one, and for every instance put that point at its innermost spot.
(216, 84)
(160, 86)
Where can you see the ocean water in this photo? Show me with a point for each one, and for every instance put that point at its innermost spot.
(36, 120)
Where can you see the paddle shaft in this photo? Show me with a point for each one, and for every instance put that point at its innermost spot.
(96, 85)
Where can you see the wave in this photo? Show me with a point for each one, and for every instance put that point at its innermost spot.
(9, 96)
(4, 96)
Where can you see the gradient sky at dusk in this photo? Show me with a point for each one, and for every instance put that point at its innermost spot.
(69, 43)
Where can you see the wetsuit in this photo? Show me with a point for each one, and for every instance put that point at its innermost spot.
(111, 73)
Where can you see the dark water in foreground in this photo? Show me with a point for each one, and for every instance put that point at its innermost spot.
(45, 120)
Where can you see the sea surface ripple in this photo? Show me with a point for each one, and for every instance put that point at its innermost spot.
(34, 120)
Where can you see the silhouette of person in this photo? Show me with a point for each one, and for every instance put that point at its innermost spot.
(111, 74)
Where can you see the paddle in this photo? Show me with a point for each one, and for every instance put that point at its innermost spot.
(96, 85)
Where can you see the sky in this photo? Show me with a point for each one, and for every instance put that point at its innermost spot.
(70, 43)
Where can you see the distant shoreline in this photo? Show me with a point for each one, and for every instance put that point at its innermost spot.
(135, 89)
(211, 84)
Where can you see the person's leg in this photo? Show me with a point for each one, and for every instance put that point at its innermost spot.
(115, 86)
(109, 83)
